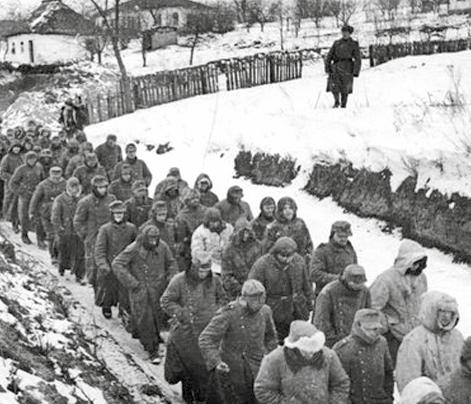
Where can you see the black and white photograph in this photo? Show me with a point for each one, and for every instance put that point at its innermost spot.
(235, 202)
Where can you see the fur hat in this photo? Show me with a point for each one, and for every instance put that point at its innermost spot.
(347, 28)
(130, 146)
(341, 226)
(31, 155)
(99, 181)
(304, 336)
(200, 257)
(285, 244)
(354, 273)
(111, 137)
(252, 287)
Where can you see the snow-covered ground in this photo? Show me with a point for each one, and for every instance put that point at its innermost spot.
(393, 121)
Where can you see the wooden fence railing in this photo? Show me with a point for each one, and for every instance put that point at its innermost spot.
(167, 86)
(383, 53)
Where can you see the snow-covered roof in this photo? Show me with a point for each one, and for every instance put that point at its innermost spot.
(54, 17)
(7, 27)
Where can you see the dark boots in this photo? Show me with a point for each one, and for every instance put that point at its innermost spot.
(340, 100)
(336, 100)
(344, 99)
(25, 239)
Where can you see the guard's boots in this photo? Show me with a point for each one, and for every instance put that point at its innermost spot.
(336, 100)
(344, 100)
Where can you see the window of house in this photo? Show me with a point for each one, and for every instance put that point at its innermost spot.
(13, 48)
(175, 18)
(22, 47)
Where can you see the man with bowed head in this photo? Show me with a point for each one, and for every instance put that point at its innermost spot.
(397, 291)
(191, 300)
(364, 355)
(145, 268)
(283, 273)
(233, 345)
(302, 371)
(339, 301)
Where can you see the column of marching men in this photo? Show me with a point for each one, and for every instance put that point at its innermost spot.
(235, 291)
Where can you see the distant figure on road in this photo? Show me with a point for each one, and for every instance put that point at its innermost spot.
(342, 64)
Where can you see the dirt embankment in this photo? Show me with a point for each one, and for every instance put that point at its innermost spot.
(425, 215)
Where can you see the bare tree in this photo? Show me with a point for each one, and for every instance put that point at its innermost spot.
(313, 9)
(342, 10)
(388, 8)
(241, 9)
(197, 23)
(261, 12)
(112, 28)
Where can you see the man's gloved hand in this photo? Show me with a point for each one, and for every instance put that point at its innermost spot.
(223, 367)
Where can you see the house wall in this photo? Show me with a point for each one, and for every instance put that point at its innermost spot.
(458, 5)
(50, 48)
(162, 39)
(144, 19)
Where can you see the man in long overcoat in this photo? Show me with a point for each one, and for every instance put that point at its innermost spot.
(145, 268)
(342, 64)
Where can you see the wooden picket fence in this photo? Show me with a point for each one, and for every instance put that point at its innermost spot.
(168, 86)
(383, 53)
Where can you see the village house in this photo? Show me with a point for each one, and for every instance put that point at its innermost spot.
(460, 6)
(142, 15)
(54, 33)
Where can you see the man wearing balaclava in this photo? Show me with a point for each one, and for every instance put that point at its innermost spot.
(397, 292)
(233, 345)
(159, 218)
(191, 299)
(122, 187)
(71, 254)
(93, 211)
(139, 205)
(365, 357)
(266, 217)
(23, 182)
(113, 237)
(204, 185)
(41, 206)
(433, 348)
(338, 302)
(139, 168)
(302, 371)
(458, 389)
(283, 273)
(89, 169)
(145, 268)
(239, 256)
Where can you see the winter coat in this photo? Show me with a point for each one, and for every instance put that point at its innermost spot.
(396, 294)
(342, 63)
(139, 169)
(335, 310)
(208, 198)
(43, 198)
(230, 211)
(75, 162)
(121, 189)
(174, 203)
(10, 162)
(277, 384)
(186, 222)
(191, 303)
(137, 210)
(289, 292)
(238, 258)
(109, 157)
(85, 175)
(427, 350)
(369, 368)
(92, 213)
(295, 228)
(329, 261)
(259, 225)
(458, 388)
(240, 339)
(167, 231)
(145, 274)
(182, 186)
(63, 212)
(25, 179)
(212, 242)
(111, 240)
